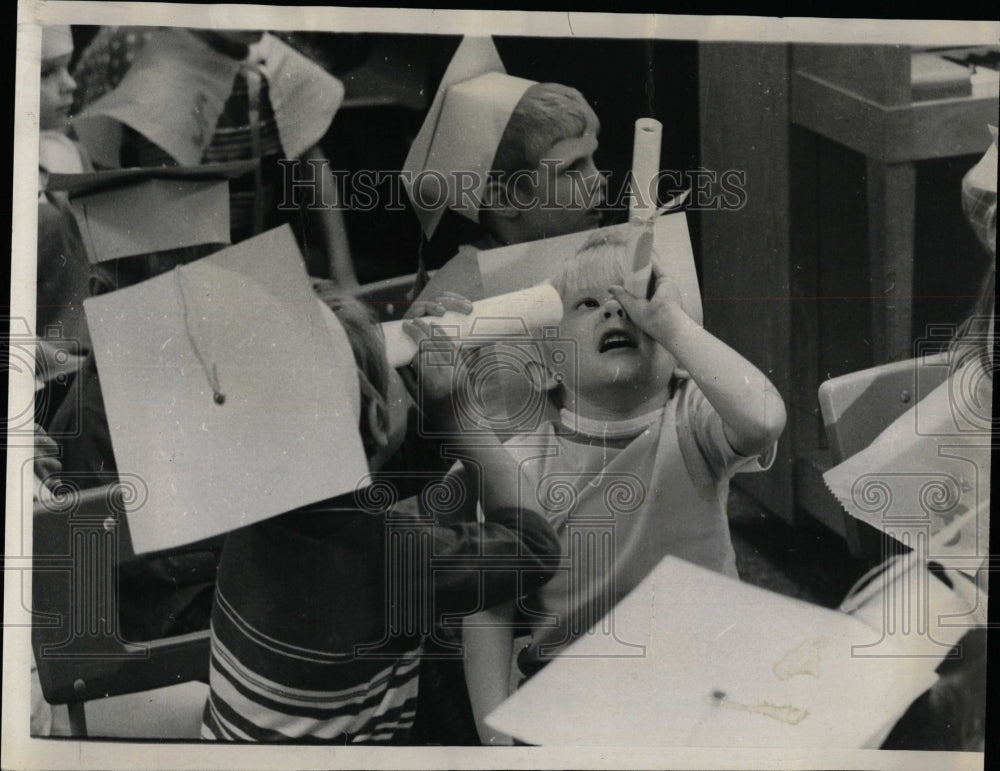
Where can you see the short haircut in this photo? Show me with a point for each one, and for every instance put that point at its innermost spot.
(368, 346)
(547, 113)
(600, 261)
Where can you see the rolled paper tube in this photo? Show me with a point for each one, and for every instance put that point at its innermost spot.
(507, 314)
(642, 206)
(645, 167)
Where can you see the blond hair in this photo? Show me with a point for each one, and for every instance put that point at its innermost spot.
(368, 347)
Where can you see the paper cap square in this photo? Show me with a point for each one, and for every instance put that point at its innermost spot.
(129, 212)
(176, 89)
(518, 266)
(449, 160)
(227, 393)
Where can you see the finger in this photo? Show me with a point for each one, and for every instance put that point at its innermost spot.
(417, 329)
(427, 308)
(455, 302)
(46, 445)
(433, 338)
(450, 295)
(621, 294)
(627, 300)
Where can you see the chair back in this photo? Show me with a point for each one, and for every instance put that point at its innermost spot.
(859, 406)
(81, 541)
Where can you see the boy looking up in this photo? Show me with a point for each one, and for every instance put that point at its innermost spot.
(654, 419)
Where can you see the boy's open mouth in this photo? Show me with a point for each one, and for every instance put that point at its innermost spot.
(616, 338)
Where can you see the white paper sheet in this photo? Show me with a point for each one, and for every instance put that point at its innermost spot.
(726, 664)
(522, 265)
(929, 467)
(286, 434)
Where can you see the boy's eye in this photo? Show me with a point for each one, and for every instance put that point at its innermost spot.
(586, 302)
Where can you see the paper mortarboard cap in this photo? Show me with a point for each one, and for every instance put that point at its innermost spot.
(176, 89)
(227, 392)
(57, 41)
(129, 212)
(448, 162)
(979, 196)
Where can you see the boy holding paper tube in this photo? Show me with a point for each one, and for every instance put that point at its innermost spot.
(637, 449)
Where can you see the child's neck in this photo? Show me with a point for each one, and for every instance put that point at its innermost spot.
(616, 409)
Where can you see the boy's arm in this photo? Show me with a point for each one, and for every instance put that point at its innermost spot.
(751, 409)
(489, 460)
(330, 220)
(488, 651)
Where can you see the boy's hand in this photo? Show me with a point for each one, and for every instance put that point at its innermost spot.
(46, 454)
(659, 315)
(447, 301)
(438, 353)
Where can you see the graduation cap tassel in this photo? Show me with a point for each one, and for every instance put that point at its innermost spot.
(211, 372)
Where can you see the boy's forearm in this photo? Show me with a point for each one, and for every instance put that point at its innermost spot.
(748, 403)
(488, 651)
(329, 218)
(492, 466)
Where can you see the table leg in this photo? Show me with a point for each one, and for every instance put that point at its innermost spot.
(891, 209)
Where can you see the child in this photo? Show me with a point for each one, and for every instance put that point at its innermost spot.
(304, 641)
(224, 95)
(63, 271)
(57, 152)
(954, 419)
(541, 180)
(647, 456)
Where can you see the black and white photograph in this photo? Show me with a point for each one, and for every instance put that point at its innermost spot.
(415, 388)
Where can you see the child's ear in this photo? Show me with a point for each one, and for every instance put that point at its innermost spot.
(377, 423)
(541, 377)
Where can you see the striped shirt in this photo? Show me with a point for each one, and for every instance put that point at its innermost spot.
(320, 615)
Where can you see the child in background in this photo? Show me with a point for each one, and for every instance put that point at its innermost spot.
(529, 148)
(300, 596)
(64, 272)
(646, 451)
(57, 152)
(951, 715)
(252, 96)
(533, 144)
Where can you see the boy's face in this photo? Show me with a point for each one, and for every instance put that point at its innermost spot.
(618, 365)
(56, 97)
(563, 194)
